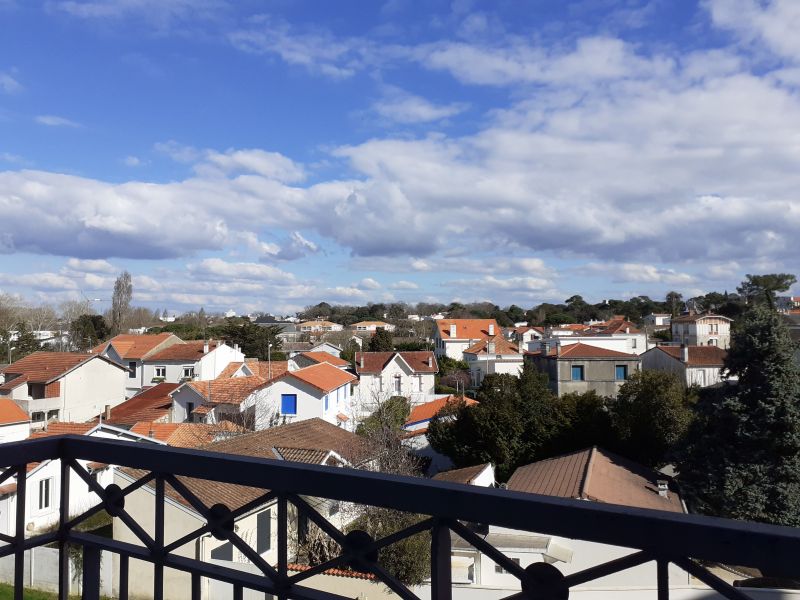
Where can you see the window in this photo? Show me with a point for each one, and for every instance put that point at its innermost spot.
(45, 488)
(289, 404)
(419, 379)
(621, 372)
(577, 373)
(712, 342)
(326, 402)
(398, 383)
(500, 569)
(189, 409)
(188, 372)
(37, 416)
(224, 552)
(52, 414)
(633, 343)
(264, 531)
(36, 390)
(132, 370)
(161, 371)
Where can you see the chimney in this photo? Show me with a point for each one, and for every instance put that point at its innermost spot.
(684, 353)
(558, 349)
(361, 360)
(627, 330)
(430, 361)
(452, 331)
(490, 348)
(491, 329)
(545, 348)
(107, 412)
(663, 488)
(205, 347)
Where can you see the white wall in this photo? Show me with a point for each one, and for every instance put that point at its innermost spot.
(377, 387)
(14, 432)
(89, 388)
(310, 402)
(213, 363)
(481, 365)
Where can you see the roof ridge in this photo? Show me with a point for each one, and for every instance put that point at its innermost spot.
(584, 489)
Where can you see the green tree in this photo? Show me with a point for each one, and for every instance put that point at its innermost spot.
(381, 341)
(763, 288)
(26, 342)
(650, 415)
(673, 302)
(584, 421)
(741, 458)
(254, 340)
(88, 330)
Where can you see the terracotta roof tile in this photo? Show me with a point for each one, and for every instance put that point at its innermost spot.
(180, 435)
(234, 390)
(304, 455)
(134, 347)
(323, 376)
(425, 412)
(189, 351)
(230, 370)
(616, 326)
(695, 318)
(63, 428)
(264, 368)
(44, 367)
(319, 357)
(465, 475)
(466, 329)
(699, 356)
(501, 346)
(335, 572)
(581, 350)
(10, 412)
(375, 362)
(151, 404)
(599, 475)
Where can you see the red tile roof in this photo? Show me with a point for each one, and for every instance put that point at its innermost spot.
(188, 351)
(264, 369)
(63, 428)
(234, 390)
(134, 347)
(501, 346)
(323, 376)
(180, 435)
(425, 412)
(695, 318)
(599, 475)
(581, 350)
(465, 475)
(44, 367)
(10, 413)
(151, 404)
(466, 329)
(319, 357)
(616, 326)
(335, 572)
(375, 362)
(699, 356)
(230, 370)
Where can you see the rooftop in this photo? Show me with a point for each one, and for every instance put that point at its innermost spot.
(581, 350)
(501, 346)
(425, 412)
(320, 357)
(466, 329)
(698, 317)
(44, 367)
(132, 346)
(465, 475)
(181, 435)
(233, 390)
(11, 413)
(699, 356)
(190, 351)
(375, 362)
(151, 404)
(323, 376)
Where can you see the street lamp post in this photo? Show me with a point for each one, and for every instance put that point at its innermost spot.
(10, 348)
(269, 361)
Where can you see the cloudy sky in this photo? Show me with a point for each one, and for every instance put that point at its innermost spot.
(265, 155)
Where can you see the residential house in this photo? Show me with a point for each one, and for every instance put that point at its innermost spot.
(591, 475)
(186, 435)
(201, 360)
(15, 423)
(43, 482)
(66, 386)
(616, 334)
(657, 320)
(385, 374)
(371, 326)
(479, 475)
(568, 329)
(217, 400)
(582, 368)
(268, 369)
(525, 334)
(319, 391)
(130, 350)
(312, 441)
(694, 365)
(452, 336)
(416, 428)
(702, 330)
(306, 359)
(493, 356)
(151, 404)
(319, 326)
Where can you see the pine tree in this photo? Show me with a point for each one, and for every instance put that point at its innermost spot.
(742, 455)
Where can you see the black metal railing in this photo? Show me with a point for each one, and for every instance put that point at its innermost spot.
(661, 537)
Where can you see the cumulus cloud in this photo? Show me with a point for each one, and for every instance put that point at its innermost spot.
(641, 273)
(91, 266)
(402, 107)
(217, 268)
(403, 285)
(56, 121)
(8, 84)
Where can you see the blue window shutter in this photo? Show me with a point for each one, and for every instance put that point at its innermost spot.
(289, 404)
(577, 373)
(622, 372)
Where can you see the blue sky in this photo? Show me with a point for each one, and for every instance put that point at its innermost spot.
(268, 155)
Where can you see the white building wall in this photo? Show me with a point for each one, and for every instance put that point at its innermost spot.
(91, 387)
(14, 432)
(372, 387)
(310, 403)
(212, 364)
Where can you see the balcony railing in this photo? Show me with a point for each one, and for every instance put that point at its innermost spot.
(662, 537)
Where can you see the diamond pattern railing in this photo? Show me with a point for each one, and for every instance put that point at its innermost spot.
(660, 537)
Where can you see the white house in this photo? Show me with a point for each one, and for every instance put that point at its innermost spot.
(694, 365)
(312, 442)
(525, 334)
(493, 356)
(371, 326)
(306, 359)
(452, 336)
(65, 386)
(385, 374)
(15, 423)
(319, 391)
(43, 482)
(702, 330)
(592, 475)
(209, 401)
(319, 326)
(200, 360)
(129, 350)
(657, 320)
(416, 428)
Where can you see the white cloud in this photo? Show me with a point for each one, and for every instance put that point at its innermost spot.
(368, 283)
(641, 273)
(404, 285)
(403, 107)
(55, 121)
(132, 161)
(91, 266)
(218, 268)
(8, 84)
(268, 164)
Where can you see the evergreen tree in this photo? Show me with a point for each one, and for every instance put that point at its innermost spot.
(26, 342)
(381, 341)
(742, 455)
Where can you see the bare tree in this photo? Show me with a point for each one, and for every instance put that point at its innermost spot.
(41, 318)
(121, 301)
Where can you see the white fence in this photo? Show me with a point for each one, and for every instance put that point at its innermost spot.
(41, 571)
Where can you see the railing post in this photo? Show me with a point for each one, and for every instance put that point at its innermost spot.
(662, 576)
(441, 569)
(283, 540)
(158, 565)
(63, 546)
(91, 573)
(19, 534)
(124, 563)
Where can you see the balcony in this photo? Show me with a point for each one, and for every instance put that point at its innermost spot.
(665, 539)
